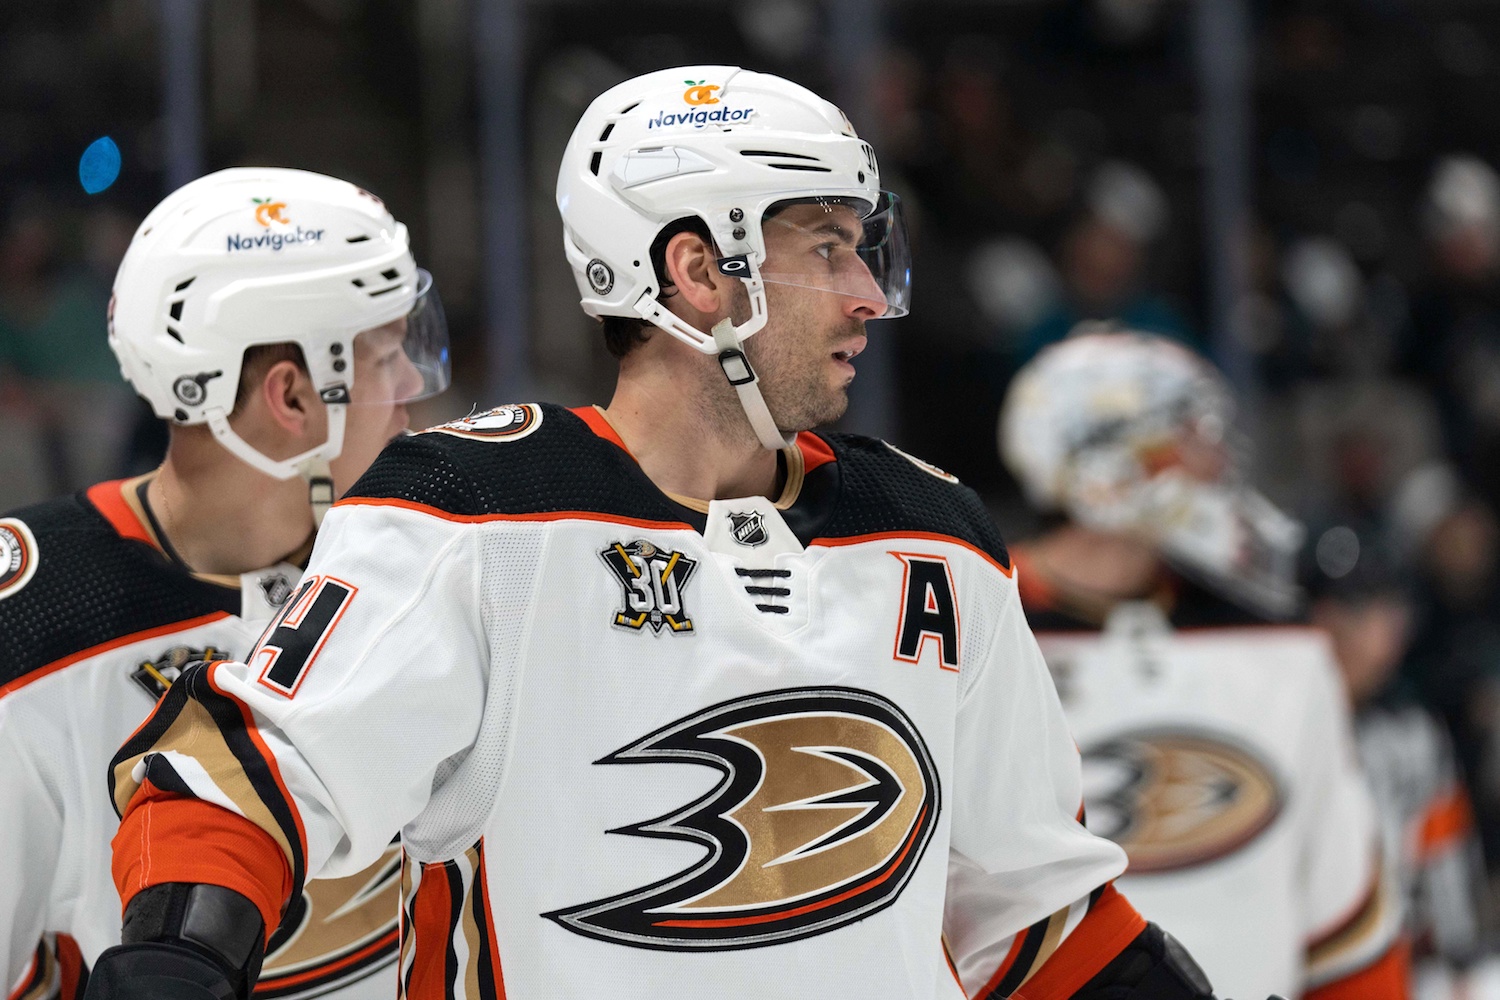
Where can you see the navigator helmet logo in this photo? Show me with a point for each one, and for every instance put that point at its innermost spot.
(700, 92)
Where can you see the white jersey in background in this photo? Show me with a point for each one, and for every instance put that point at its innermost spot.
(1222, 760)
(96, 620)
(793, 748)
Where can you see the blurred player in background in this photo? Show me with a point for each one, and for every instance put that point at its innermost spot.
(276, 320)
(670, 698)
(1217, 747)
(1406, 753)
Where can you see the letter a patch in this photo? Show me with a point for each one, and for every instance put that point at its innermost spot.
(929, 610)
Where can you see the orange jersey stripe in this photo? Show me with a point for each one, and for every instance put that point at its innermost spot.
(432, 929)
(70, 966)
(556, 515)
(166, 838)
(282, 982)
(815, 451)
(880, 536)
(1448, 819)
(104, 647)
(1111, 924)
(1005, 966)
(599, 425)
(107, 498)
(1388, 978)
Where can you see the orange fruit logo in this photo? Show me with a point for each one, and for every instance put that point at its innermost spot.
(268, 211)
(700, 92)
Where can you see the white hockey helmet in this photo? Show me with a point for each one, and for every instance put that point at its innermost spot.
(724, 145)
(1098, 425)
(264, 255)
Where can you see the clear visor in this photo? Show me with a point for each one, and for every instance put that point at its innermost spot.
(406, 359)
(836, 245)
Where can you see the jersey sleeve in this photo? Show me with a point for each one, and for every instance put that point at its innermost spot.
(30, 840)
(1351, 898)
(1029, 899)
(308, 757)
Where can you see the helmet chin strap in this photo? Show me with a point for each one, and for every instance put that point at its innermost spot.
(311, 465)
(727, 341)
(741, 375)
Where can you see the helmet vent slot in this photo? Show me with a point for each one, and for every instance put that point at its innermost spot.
(361, 238)
(594, 164)
(806, 162)
(390, 274)
(174, 335)
(176, 310)
(383, 291)
(772, 152)
(607, 130)
(183, 284)
(626, 111)
(358, 283)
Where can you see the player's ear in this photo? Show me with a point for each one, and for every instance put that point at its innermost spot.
(289, 397)
(691, 265)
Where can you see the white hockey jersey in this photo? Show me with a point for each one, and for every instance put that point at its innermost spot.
(95, 623)
(640, 746)
(1222, 760)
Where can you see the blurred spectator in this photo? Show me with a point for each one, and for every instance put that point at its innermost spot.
(1408, 759)
(1103, 261)
(1453, 343)
(66, 406)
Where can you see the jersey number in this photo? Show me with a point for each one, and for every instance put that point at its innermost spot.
(297, 635)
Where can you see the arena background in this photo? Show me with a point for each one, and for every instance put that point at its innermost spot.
(1301, 188)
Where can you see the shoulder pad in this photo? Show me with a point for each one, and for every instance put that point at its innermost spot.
(885, 489)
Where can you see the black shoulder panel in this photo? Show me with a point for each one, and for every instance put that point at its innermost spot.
(884, 490)
(560, 465)
(91, 587)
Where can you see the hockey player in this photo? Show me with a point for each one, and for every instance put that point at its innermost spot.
(276, 320)
(670, 698)
(1217, 749)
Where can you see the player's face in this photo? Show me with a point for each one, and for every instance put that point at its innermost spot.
(382, 374)
(812, 334)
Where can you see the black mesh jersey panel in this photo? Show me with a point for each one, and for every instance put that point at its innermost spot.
(562, 466)
(92, 586)
(885, 491)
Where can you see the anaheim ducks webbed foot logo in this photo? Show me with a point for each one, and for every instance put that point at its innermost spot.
(653, 579)
(828, 799)
(1174, 799)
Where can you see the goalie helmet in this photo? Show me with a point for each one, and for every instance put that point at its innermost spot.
(726, 146)
(1129, 432)
(251, 256)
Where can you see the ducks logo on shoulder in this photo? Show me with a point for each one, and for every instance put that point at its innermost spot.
(18, 555)
(504, 423)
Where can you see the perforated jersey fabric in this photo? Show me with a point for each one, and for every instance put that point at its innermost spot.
(615, 774)
(87, 643)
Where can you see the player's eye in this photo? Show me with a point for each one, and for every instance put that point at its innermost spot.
(825, 250)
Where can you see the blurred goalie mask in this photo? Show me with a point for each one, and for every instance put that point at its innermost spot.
(729, 147)
(1127, 432)
(251, 256)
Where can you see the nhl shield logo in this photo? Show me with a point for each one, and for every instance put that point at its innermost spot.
(653, 580)
(748, 529)
(277, 589)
